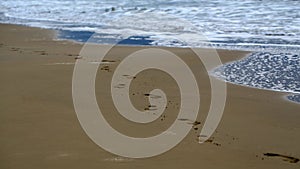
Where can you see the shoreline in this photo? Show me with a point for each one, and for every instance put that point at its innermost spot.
(39, 126)
(56, 37)
(285, 94)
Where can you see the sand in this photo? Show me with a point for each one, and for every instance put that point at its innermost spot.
(39, 127)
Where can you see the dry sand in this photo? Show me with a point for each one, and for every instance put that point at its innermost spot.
(39, 127)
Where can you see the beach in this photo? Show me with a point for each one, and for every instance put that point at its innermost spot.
(39, 127)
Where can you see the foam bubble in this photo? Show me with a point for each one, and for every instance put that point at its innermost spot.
(278, 72)
(294, 98)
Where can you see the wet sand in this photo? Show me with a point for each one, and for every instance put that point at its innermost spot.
(39, 127)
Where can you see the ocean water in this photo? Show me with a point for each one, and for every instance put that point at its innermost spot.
(265, 70)
(269, 28)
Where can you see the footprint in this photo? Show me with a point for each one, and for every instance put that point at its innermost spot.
(150, 107)
(70, 54)
(152, 96)
(284, 157)
(129, 76)
(105, 68)
(15, 49)
(41, 52)
(194, 123)
(217, 144)
(211, 140)
(119, 86)
(44, 53)
(162, 117)
(107, 61)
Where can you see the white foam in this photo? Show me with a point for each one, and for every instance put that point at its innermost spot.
(277, 72)
(219, 20)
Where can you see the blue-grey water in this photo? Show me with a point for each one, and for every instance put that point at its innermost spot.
(269, 28)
